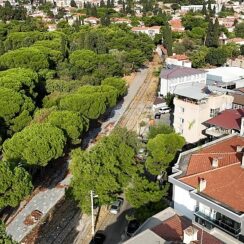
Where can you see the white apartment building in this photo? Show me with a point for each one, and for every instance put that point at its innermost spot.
(208, 187)
(195, 8)
(150, 31)
(196, 103)
(171, 78)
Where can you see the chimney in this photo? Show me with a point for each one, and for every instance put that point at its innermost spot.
(239, 148)
(190, 235)
(242, 127)
(202, 184)
(215, 162)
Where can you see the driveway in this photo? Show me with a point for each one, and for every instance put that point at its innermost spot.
(114, 225)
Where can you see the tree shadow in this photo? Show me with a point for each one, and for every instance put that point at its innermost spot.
(58, 226)
(115, 232)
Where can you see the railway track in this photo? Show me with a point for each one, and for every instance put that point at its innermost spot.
(140, 107)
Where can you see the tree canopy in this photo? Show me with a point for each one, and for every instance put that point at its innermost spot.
(162, 150)
(15, 111)
(20, 80)
(35, 145)
(28, 57)
(15, 184)
(4, 237)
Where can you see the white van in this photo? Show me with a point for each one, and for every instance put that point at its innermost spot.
(164, 110)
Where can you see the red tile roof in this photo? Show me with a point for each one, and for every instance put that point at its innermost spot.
(228, 119)
(179, 57)
(225, 184)
(176, 25)
(172, 230)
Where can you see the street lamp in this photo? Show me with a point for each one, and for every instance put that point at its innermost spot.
(92, 214)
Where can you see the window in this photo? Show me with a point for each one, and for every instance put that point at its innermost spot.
(181, 120)
(214, 112)
(181, 109)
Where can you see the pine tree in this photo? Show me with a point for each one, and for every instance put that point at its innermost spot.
(102, 3)
(204, 8)
(167, 39)
(209, 36)
(209, 6)
(216, 33)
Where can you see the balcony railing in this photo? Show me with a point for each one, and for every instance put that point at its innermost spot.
(220, 223)
(217, 132)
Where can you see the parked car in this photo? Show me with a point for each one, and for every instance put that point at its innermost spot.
(115, 206)
(164, 110)
(133, 225)
(157, 115)
(98, 238)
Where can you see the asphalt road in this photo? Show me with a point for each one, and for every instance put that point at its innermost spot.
(115, 225)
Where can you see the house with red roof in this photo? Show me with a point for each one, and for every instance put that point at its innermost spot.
(178, 60)
(150, 31)
(168, 226)
(227, 122)
(208, 187)
(176, 25)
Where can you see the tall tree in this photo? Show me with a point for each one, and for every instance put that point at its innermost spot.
(167, 39)
(216, 33)
(210, 32)
(106, 168)
(15, 184)
(204, 8)
(35, 145)
(162, 150)
(4, 237)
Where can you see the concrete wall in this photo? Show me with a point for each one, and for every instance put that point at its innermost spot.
(183, 202)
(188, 117)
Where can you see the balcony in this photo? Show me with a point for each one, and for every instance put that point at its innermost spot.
(217, 132)
(220, 221)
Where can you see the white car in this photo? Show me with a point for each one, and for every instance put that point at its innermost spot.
(115, 206)
(164, 110)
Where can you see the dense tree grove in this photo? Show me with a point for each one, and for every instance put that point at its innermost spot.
(110, 168)
(51, 85)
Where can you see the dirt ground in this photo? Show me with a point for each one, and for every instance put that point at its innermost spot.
(58, 227)
(140, 108)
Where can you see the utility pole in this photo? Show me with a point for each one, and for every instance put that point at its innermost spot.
(92, 214)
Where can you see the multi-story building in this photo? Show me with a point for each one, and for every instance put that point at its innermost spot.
(171, 78)
(194, 104)
(208, 187)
